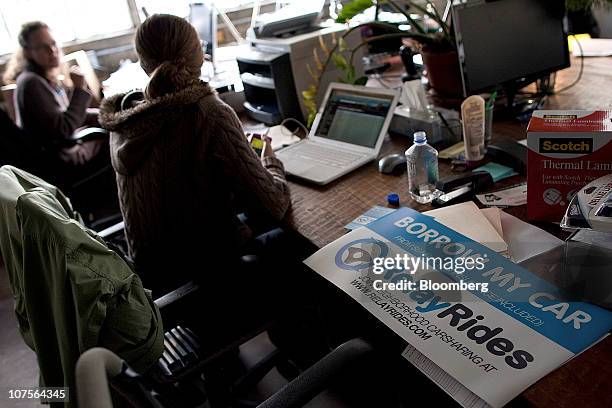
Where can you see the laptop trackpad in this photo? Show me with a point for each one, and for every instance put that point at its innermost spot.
(299, 168)
(316, 173)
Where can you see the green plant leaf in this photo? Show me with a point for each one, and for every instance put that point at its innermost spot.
(351, 9)
(350, 75)
(339, 61)
(310, 93)
(576, 5)
(311, 118)
(342, 45)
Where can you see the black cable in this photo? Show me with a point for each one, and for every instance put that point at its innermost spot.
(581, 68)
(446, 124)
(299, 124)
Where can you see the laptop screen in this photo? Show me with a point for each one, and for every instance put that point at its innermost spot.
(354, 117)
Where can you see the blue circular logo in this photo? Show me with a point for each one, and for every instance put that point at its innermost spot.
(354, 257)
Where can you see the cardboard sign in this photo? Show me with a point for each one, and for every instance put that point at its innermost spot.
(495, 343)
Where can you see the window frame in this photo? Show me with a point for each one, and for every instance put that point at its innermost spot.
(118, 38)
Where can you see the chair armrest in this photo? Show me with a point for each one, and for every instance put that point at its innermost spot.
(176, 295)
(113, 229)
(93, 369)
(318, 377)
(90, 133)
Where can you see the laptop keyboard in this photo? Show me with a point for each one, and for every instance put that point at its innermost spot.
(323, 155)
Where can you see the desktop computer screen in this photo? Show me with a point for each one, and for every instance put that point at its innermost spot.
(509, 41)
(203, 17)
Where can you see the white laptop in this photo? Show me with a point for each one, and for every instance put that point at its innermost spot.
(347, 132)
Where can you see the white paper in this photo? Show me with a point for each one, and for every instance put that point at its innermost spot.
(467, 219)
(493, 215)
(593, 47)
(448, 384)
(525, 240)
(413, 95)
(508, 197)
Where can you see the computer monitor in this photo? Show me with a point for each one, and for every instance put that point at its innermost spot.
(509, 43)
(203, 16)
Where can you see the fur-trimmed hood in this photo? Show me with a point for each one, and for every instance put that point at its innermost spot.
(134, 130)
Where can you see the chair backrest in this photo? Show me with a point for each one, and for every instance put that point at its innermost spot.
(20, 149)
(7, 95)
(72, 292)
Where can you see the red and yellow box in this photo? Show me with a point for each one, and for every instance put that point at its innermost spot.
(566, 151)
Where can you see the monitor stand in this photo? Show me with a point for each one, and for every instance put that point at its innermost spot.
(518, 107)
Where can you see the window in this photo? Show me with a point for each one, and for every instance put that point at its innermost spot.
(69, 19)
(73, 20)
(181, 7)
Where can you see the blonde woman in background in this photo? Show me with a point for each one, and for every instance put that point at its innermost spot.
(44, 107)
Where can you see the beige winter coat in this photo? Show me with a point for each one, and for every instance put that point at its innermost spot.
(184, 169)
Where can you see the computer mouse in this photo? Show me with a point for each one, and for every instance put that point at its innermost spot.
(391, 163)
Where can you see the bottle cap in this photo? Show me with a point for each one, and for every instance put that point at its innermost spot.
(420, 136)
(393, 199)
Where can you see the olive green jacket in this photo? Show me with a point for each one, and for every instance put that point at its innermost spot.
(71, 291)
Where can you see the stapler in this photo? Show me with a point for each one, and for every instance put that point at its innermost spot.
(509, 152)
(462, 187)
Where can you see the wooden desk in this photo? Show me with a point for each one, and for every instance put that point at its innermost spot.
(320, 213)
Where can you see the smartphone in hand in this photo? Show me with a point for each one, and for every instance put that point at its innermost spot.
(257, 143)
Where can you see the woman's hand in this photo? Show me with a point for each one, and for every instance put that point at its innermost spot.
(78, 80)
(267, 151)
(80, 154)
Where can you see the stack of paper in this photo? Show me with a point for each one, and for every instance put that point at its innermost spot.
(481, 225)
(467, 219)
(593, 47)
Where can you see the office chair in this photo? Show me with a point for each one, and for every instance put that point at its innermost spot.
(74, 293)
(96, 366)
(71, 291)
(187, 375)
(7, 96)
(92, 186)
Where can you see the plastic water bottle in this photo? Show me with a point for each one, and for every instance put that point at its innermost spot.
(422, 161)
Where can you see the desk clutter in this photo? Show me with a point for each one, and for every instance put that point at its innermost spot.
(387, 168)
(517, 297)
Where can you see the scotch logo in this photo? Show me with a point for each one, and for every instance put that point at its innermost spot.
(560, 117)
(565, 145)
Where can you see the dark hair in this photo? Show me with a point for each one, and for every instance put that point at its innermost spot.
(170, 51)
(27, 30)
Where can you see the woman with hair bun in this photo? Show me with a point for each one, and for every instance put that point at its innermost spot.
(184, 166)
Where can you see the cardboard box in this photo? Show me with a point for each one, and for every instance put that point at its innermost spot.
(567, 150)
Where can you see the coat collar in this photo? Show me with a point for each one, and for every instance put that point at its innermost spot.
(112, 117)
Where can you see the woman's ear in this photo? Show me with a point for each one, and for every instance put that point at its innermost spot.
(143, 68)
